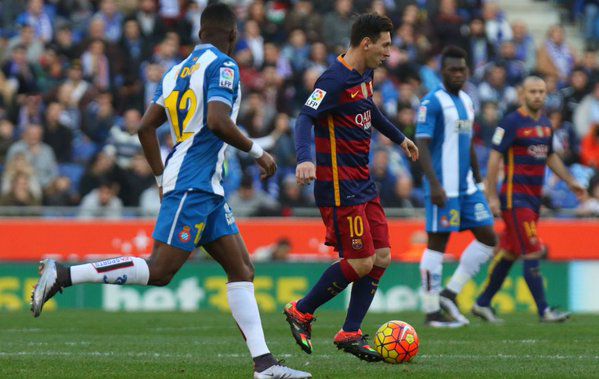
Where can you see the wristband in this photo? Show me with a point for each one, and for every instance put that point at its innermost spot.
(158, 180)
(256, 151)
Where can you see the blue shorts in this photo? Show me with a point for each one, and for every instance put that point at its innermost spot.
(189, 219)
(459, 213)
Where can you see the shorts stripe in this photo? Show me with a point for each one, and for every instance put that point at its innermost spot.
(170, 235)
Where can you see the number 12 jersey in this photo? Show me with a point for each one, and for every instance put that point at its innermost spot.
(196, 161)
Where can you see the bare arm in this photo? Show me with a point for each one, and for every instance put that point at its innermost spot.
(152, 119)
(438, 196)
(220, 123)
(557, 166)
(491, 186)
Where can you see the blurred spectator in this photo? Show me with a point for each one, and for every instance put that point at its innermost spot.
(123, 136)
(64, 43)
(27, 39)
(554, 99)
(99, 118)
(429, 73)
(591, 23)
(153, 75)
(38, 18)
(58, 193)
(20, 165)
(573, 94)
(102, 202)
(7, 137)
(337, 26)
(96, 67)
(485, 123)
(586, 116)
(277, 252)
(56, 134)
(302, 17)
(480, 50)
(525, 45)
(394, 191)
(152, 27)
(19, 72)
(589, 151)
(102, 166)
(49, 70)
(254, 41)
(149, 201)
(448, 25)
(113, 19)
(37, 152)
(589, 207)
(135, 48)
(297, 51)
(566, 143)
(555, 56)
(515, 69)
(291, 195)
(136, 180)
(590, 64)
(249, 201)
(497, 27)
(30, 112)
(496, 89)
(20, 193)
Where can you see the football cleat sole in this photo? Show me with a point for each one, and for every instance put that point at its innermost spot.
(48, 277)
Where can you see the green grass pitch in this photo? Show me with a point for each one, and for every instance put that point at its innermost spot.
(205, 344)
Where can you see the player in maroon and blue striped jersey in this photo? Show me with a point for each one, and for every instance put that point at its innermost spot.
(342, 114)
(523, 141)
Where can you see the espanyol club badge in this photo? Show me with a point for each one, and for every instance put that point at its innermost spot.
(185, 234)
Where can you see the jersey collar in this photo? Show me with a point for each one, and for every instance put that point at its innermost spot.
(203, 46)
(524, 113)
(342, 60)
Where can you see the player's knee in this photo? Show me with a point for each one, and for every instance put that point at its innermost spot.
(488, 238)
(362, 266)
(383, 258)
(244, 273)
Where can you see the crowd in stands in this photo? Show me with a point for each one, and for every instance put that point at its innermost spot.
(76, 76)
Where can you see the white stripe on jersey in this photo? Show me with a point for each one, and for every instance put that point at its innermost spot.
(450, 167)
(195, 125)
(469, 105)
(218, 171)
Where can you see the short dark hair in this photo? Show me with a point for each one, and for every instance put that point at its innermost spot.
(369, 25)
(218, 15)
(452, 51)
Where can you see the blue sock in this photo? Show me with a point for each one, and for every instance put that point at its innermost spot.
(534, 279)
(362, 293)
(496, 278)
(332, 282)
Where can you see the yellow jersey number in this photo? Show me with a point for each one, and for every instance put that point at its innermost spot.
(187, 104)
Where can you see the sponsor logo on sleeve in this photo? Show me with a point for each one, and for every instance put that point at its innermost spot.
(227, 75)
(422, 113)
(316, 98)
(498, 136)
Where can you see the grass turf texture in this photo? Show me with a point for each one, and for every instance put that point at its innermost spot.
(206, 344)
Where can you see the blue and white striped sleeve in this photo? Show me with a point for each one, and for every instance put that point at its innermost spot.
(428, 113)
(222, 81)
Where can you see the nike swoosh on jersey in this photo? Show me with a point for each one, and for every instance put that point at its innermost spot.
(354, 94)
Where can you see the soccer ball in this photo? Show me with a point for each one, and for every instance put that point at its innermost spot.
(396, 342)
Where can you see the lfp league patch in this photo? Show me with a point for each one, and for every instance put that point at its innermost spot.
(498, 136)
(316, 98)
(227, 75)
(422, 113)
